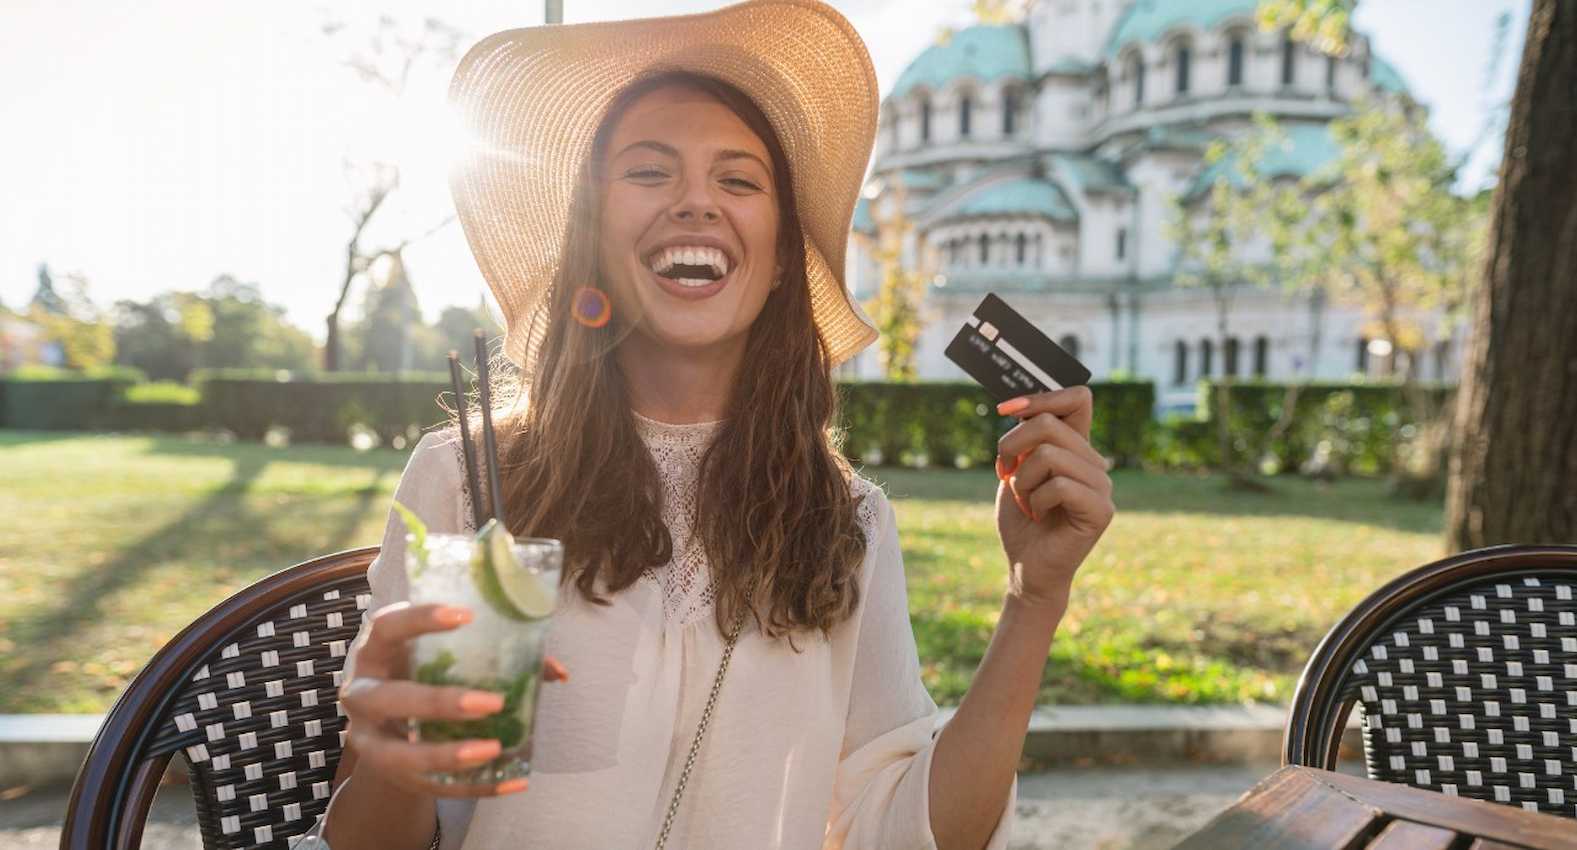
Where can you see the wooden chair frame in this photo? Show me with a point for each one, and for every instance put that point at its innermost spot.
(116, 785)
(1316, 720)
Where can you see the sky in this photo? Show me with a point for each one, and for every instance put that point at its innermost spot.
(155, 145)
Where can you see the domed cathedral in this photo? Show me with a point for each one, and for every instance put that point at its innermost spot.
(1039, 160)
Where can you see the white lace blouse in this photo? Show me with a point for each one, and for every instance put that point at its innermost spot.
(830, 748)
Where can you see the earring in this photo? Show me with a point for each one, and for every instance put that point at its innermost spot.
(591, 307)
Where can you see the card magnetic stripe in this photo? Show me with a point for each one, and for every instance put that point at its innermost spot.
(990, 332)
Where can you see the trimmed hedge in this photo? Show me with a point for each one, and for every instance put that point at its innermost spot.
(954, 423)
(46, 399)
(324, 408)
(932, 423)
(1356, 423)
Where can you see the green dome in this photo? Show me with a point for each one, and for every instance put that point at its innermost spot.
(1148, 20)
(985, 52)
(1023, 195)
(1307, 149)
(1385, 76)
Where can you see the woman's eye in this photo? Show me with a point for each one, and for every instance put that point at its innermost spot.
(645, 173)
(745, 183)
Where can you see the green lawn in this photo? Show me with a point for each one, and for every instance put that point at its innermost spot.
(109, 545)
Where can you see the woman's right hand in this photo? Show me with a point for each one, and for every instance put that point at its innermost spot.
(379, 698)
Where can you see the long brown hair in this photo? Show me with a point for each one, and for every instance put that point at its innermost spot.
(775, 510)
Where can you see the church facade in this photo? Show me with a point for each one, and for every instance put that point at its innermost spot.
(1041, 161)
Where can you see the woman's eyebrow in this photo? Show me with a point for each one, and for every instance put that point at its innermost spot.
(648, 143)
(734, 153)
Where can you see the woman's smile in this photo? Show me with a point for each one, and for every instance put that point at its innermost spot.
(691, 269)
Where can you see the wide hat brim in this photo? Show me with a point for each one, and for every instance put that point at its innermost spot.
(530, 101)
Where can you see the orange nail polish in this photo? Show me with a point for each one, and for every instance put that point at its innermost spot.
(481, 702)
(511, 786)
(478, 751)
(1012, 406)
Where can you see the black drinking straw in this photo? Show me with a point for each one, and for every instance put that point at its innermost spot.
(465, 438)
(489, 444)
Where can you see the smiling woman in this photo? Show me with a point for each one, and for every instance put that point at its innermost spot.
(698, 175)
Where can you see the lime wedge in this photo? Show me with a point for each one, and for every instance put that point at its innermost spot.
(517, 593)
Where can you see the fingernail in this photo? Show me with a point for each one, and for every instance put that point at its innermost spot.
(1012, 406)
(1022, 507)
(1001, 474)
(451, 615)
(511, 786)
(480, 702)
(479, 751)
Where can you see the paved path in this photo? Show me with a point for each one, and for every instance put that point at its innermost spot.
(1095, 808)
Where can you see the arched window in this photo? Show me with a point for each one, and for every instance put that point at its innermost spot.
(966, 106)
(1070, 343)
(1235, 61)
(1136, 67)
(1183, 57)
(1180, 363)
(1330, 74)
(925, 119)
(1442, 358)
(985, 248)
(1122, 243)
(1289, 60)
(1206, 349)
(1230, 355)
(1363, 355)
(1009, 110)
(1261, 356)
(1020, 242)
(1040, 257)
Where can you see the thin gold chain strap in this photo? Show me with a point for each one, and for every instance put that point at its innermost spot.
(700, 732)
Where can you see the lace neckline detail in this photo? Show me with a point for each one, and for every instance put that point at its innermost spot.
(688, 590)
(650, 429)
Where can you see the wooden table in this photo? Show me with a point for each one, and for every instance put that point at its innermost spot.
(1301, 808)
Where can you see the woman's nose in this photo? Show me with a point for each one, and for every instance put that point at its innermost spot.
(695, 204)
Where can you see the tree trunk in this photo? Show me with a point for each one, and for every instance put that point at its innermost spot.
(1515, 459)
(331, 344)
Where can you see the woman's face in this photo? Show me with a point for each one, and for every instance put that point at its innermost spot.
(688, 193)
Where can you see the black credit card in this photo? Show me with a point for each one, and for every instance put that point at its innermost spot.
(1011, 357)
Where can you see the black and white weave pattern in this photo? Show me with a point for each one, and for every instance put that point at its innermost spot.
(260, 721)
(1474, 693)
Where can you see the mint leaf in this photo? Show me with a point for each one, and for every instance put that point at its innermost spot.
(417, 538)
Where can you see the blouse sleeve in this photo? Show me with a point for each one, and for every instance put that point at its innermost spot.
(881, 794)
(431, 487)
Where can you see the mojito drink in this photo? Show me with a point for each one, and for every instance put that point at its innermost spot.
(511, 587)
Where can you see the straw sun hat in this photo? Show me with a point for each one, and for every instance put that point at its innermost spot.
(531, 100)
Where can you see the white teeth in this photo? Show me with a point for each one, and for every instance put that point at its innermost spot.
(693, 256)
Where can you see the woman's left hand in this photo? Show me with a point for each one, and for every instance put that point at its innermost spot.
(1055, 499)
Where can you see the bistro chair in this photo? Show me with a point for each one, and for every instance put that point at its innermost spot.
(1465, 671)
(249, 693)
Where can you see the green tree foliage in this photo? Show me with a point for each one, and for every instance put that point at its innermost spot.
(72, 321)
(385, 340)
(45, 298)
(999, 11)
(1323, 23)
(896, 307)
(229, 325)
(1383, 229)
(1219, 230)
